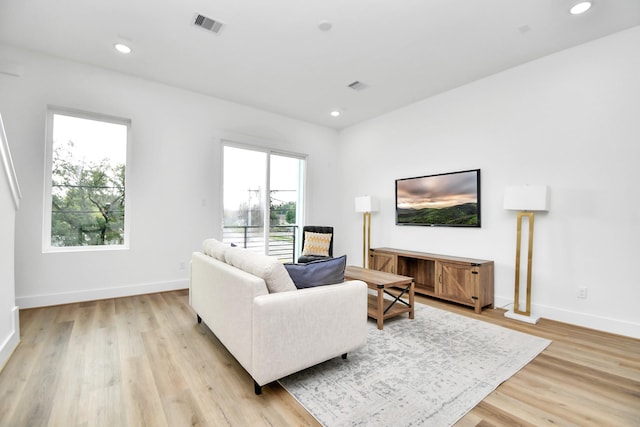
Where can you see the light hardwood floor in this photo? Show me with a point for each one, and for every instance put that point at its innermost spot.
(144, 360)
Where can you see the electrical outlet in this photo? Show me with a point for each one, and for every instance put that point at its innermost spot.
(182, 265)
(582, 293)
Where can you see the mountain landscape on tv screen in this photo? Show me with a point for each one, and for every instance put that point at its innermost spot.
(464, 214)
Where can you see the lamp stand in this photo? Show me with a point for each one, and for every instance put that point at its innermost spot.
(517, 313)
(366, 238)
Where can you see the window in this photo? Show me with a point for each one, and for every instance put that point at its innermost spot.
(85, 190)
(263, 200)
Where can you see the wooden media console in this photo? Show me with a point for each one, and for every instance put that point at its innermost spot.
(466, 281)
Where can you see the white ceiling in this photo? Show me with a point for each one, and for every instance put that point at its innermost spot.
(272, 55)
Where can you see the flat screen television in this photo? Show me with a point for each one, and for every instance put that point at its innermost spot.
(447, 199)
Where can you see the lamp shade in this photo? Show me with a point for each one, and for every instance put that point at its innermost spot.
(366, 204)
(527, 198)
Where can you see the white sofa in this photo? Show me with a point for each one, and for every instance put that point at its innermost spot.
(273, 334)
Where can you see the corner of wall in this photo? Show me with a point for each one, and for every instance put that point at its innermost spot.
(11, 342)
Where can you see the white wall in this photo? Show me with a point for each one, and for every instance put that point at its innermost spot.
(570, 120)
(9, 200)
(175, 170)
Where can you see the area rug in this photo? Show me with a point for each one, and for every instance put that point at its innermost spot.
(429, 371)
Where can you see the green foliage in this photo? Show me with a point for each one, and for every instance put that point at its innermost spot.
(465, 214)
(291, 216)
(87, 200)
(288, 210)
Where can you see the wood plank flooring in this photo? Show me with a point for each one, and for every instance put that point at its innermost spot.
(145, 361)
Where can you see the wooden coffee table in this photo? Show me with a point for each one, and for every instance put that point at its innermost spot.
(380, 308)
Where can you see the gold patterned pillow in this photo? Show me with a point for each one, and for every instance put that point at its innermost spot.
(316, 243)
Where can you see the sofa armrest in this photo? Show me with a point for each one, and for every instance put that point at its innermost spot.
(223, 296)
(296, 330)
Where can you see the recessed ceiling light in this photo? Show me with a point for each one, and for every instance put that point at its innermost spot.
(324, 25)
(335, 113)
(524, 29)
(122, 48)
(581, 7)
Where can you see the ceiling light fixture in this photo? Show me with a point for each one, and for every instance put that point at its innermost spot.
(580, 7)
(335, 113)
(324, 25)
(122, 48)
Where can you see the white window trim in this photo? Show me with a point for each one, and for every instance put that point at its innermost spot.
(48, 164)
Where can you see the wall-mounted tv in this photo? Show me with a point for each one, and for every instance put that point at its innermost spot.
(446, 199)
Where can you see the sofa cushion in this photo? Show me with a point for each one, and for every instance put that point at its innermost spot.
(267, 268)
(214, 248)
(316, 243)
(317, 273)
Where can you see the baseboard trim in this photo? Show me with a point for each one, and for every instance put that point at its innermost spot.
(600, 323)
(33, 301)
(11, 342)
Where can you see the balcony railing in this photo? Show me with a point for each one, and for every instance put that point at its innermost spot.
(282, 239)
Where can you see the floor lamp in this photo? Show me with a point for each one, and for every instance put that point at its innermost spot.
(366, 205)
(525, 199)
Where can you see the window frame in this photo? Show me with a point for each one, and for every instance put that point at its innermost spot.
(264, 147)
(47, 247)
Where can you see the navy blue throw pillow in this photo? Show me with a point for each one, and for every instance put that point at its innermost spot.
(317, 273)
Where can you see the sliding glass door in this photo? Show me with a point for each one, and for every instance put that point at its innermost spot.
(263, 200)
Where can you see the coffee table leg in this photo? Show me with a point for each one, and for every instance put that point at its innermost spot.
(380, 307)
(412, 299)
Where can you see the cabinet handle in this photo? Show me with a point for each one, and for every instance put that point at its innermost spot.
(440, 279)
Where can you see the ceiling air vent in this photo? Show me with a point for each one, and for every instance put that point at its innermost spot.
(357, 86)
(208, 24)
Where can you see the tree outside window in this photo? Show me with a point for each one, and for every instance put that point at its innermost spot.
(88, 181)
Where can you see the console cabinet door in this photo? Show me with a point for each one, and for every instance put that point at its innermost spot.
(382, 262)
(457, 282)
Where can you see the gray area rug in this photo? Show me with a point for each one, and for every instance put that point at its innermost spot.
(429, 371)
